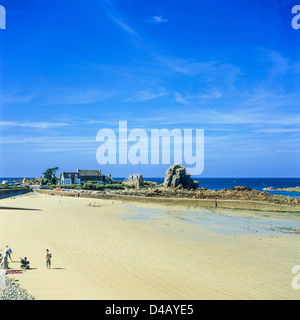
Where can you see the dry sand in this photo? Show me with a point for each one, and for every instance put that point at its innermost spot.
(147, 251)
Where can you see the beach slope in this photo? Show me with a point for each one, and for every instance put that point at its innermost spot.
(116, 250)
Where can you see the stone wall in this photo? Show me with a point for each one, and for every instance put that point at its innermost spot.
(8, 192)
(200, 203)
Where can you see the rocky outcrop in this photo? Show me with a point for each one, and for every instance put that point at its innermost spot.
(296, 189)
(26, 181)
(177, 177)
(215, 198)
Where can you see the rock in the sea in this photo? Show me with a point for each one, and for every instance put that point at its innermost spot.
(177, 177)
(239, 188)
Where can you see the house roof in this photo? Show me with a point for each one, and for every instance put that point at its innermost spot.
(67, 174)
(83, 173)
(133, 177)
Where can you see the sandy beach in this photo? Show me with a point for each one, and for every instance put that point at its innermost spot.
(119, 250)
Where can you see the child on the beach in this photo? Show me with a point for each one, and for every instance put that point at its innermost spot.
(48, 259)
(9, 252)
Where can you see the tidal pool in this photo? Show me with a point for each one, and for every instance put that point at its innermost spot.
(222, 221)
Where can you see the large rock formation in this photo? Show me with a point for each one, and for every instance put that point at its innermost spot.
(177, 177)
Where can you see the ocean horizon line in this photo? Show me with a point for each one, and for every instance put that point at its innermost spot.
(219, 183)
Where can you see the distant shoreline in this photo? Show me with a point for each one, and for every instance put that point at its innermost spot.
(220, 183)
(296, 189)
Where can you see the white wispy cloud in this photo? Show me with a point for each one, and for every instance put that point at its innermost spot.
(159, 19)
(249, 113)
(280, 64)
(146, 95)
(72, 96)
(212, 94)
(208, 70)
(278, 130)
(50, 144)
(33, 125)
(15, 98)
(195, 99)
(119, 19)
(179, 98)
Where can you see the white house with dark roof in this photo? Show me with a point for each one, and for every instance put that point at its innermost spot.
(67, 178)
(84, 176)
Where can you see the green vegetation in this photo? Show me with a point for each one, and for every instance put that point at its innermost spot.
(93, 186)
(150, 184)
(9, 186)
(49, 176)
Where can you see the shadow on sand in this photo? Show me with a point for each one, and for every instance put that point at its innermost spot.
(13, 208)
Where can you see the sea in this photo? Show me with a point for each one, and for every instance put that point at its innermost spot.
(228, 183)
(253, 183)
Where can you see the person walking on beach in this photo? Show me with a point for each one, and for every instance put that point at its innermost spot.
(48, 259)
(9, 252)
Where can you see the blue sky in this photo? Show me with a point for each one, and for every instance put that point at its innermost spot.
(71, 68)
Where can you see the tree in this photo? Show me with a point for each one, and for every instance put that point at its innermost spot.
(49, 175)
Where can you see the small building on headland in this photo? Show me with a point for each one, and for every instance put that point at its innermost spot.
(135, 179)
(84, 176)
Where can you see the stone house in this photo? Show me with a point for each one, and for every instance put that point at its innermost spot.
(135, 179)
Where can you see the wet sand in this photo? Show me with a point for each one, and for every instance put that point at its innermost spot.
(149, 251)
